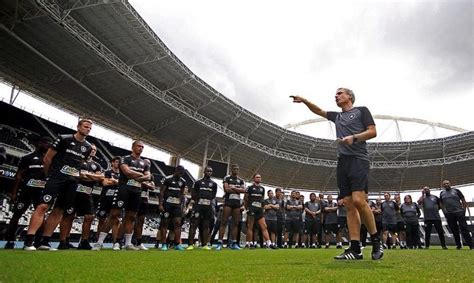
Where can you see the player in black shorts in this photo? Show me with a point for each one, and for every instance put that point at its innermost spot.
(312, 227)
(62, 164)
(354, 126)
(233, 187)
(293, 208)
(203, 195)
(109, 188)
(253, 202)
(90, 175)
(133, 171)
(27, 187)
(143, 211)
(171, 203)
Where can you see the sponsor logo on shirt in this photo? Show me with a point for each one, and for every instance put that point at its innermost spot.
(36, 183)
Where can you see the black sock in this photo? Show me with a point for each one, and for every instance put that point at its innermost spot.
(29, 240)
(139, 242)
(67, 240)
(375, 237)
(45, 241)
(355, 246)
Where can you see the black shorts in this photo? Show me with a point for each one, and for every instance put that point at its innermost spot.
(255, 212)
(105, 203)
(401, 226)
(272, 226)
(202, 212)
(232, 204)
(25, 197)
(83, 205)
(143, 207)
(331, 228)
(171, 211)
(292, 226)
(342, 222)
(352, 175)
(312, 227)
(392, 228)
(60, 191)
(128, 198)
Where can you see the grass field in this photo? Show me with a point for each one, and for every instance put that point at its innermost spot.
(230, 266)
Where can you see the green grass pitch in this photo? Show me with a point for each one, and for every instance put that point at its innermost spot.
(434, 265)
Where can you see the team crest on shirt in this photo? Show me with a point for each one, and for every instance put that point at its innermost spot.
(196, 214)
(352, 116)
(70, 210)
(180, 183)
(83, 148)
(20, 205)
(120, 203)
(72, 143)
(166, 214)
(142, 163)
(47, 198)
(93, 167)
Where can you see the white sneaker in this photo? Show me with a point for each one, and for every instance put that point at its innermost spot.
(46, 248)
(130, 248)
(97, 247)
(142, 247)
(116, 247)
(29, 248)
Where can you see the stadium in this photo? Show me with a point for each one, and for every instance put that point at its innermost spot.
(101, 60)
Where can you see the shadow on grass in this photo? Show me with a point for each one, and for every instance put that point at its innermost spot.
(365, 264)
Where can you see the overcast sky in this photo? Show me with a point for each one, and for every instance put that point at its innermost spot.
(402, 58)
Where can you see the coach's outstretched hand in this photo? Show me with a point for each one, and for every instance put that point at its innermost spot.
(297, 99)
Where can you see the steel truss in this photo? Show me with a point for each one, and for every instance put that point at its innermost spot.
(66, 21)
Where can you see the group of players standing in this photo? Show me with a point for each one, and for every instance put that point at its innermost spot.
(73, 175)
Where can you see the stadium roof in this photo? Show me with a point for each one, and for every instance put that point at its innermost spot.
(101, 59)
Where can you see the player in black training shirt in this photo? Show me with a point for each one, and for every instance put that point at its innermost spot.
(62, 164)
(109, 189)
(233, 187)
(354, 126)
(133, 171)
(171, 205)
(203, 194)
(143, 211)
(90, 175)
(253, 202)
(27, 187)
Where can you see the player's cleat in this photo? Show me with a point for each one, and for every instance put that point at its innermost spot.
(9, 245)
(84, 245)
(46, 247)
(130, 248)
(445, 248)
(63, 246)
(116, 247)
(190, 248)
(29, 248)
(285, 245)
(327, 246)
(207, 248)
(339, 246)
(377, 250)
(235, 246)
(179, 247)
(349, 255)
(142, 247)
(164, 247)
(97, 247)
(219, 247)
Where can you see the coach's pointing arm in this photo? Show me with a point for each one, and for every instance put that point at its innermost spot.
(313, 107)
